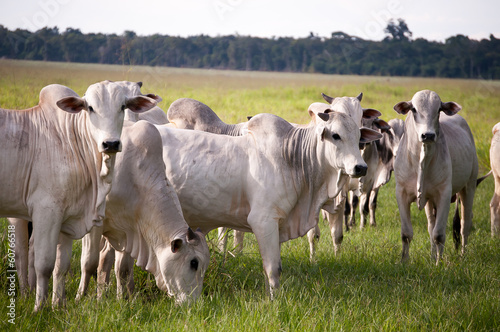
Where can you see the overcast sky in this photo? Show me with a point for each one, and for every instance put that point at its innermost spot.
(430, 19)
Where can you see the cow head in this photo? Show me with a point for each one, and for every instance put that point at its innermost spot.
(425, 108)
(105, 104)
(340, 137)
(352, 107)
(184, 265)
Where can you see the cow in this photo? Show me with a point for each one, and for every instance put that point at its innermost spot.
(56, 166)
(272, 181)
(436, 159)
(350, 106)
(379, 156)
(187, 113)
(495, 167)
(91, 241)
(144, 222)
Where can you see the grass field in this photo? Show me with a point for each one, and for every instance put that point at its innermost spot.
(364, 288)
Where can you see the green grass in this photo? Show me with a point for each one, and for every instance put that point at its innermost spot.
(364, 288)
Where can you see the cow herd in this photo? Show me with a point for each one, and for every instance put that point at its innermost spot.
(144, 186)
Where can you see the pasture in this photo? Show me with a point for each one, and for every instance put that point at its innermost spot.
(364, 288)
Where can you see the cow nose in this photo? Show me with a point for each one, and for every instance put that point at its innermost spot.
(428, 137)
(360, 170)
(111, 146)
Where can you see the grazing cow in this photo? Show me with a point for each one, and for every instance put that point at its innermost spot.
(272, 181)
(57, 160)
(144, 220)
(350, 106)
(436, 159)
(495, 167)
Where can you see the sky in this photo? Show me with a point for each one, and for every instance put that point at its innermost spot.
(430, 19)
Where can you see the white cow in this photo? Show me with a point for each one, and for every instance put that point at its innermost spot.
(56, 166)
(436, 159)
(495, 167)
(350, 106)
(91, 242)
(187, 113)
(379, 156)
(272, 181)
(144, 220)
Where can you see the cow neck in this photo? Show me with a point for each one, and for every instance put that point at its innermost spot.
(421, 154)
(300, 152)
(232, 129)
(162, 219)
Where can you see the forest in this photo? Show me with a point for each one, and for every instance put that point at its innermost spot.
(396, 55)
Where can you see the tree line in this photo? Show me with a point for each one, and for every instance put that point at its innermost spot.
(396, 55)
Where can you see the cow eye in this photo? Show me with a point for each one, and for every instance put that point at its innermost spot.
(123, 107)
(413, 109)
(336, 137)
(194, 264)
(91, 109)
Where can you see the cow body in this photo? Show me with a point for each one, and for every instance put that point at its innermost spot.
(56, 167)
(436, 158)
(226, 181)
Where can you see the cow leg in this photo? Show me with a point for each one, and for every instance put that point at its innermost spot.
(63, 260)
(439, 233)
(267, 234)
(495, 210)
(313, 237)
(430, 212)
(354, 200)
(467, 198)
(21, 252)
(222, 245)
(347, 213)
(31, 263)
(124, 270)
(106, 260)
(238, 240)
(406, 227)
(373, 206)
(336, 231)
(46, 237)
(89, 260)
(362, 211)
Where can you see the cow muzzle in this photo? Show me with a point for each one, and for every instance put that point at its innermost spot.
(359, 171)
(111, 146)
(427, 137)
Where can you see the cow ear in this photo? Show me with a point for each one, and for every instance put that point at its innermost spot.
(450, 108)
(327, 98)
(382, 125)
(369, 135)
(71, 104)
(370, 113)
(154, 97)
(249, 117)
(139, 104)
(139, 84)
(403, 107)
(360, 96)
(324, 116)
(175, 245)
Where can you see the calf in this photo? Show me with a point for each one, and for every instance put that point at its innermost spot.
(436, 158)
